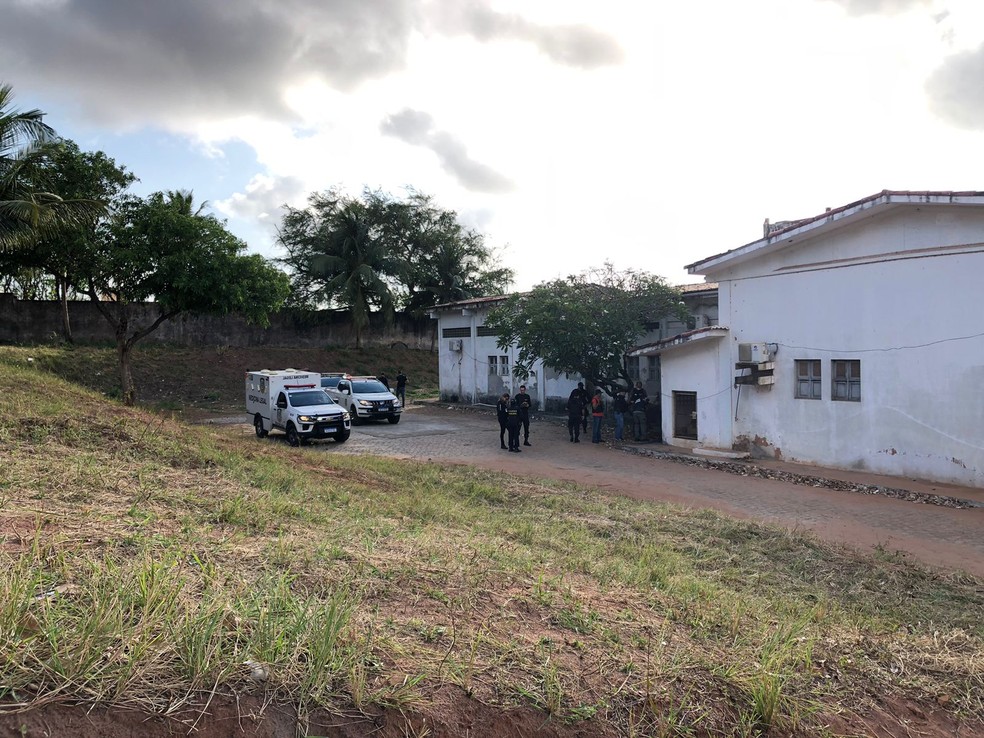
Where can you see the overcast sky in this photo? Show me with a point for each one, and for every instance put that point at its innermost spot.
(569, 132)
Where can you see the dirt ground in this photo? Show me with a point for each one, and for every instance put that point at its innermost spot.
(934, 535)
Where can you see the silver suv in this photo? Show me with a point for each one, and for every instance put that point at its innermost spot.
(366, 398)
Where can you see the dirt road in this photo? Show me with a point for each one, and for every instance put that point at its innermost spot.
(936, 536)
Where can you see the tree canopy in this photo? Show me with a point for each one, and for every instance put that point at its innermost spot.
(584, 324)
(421, 254)
(160, 249)
(29, 205)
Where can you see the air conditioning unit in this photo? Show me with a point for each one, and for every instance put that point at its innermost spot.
(455, 344)
(753, 353)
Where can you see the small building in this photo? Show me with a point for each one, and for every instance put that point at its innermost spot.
(473, 369)
(851, 339)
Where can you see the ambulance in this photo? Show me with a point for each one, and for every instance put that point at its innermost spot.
(292, 400)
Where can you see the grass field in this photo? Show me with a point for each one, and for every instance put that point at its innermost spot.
(147, 563)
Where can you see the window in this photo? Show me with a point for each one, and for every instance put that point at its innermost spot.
(653, 367)
(456, 332)
(632, 366)
(808, 379)
(846, 378)
(499, 365)
(484, 330)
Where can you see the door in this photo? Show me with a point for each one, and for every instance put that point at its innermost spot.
(685, 415)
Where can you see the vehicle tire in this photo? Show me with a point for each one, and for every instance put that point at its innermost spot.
(258, 427)
(342, 437)
(353, 416)
(393, 419)
(292, 438)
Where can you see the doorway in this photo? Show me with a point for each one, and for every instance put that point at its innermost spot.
(685, 415)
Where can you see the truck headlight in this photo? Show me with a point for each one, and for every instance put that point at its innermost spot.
(396, 402)
(365, 403)
(345, 416)
(307, 418)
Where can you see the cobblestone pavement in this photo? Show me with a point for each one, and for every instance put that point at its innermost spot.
(937, 536)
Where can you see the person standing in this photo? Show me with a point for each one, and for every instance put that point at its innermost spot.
(385, 380)
(502, 413)
(525, 402)
(620, 408)
(575, 411)
(585, 403)
(401, 387)
(597, 416)
(638, 401)
(512, 425)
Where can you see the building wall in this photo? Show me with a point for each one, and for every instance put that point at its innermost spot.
(899, 293)
(701, 367)
(466, 374)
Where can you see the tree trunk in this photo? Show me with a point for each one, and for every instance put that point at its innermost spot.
(124, 348)
(62, 286)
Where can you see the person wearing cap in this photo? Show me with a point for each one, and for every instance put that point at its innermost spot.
(525, 402)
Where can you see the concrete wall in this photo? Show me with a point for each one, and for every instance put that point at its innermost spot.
(700, 367)
(900, 293)
(28, 322)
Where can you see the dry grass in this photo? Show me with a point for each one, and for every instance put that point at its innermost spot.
(144, 562)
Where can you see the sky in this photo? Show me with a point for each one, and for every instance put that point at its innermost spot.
(568, 132)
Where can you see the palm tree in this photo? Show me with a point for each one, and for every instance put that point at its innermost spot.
(27, 209)
(355, 265)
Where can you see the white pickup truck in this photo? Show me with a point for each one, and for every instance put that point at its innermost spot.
(293, 401)
(366, 398)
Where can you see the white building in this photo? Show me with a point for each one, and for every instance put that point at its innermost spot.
(473, 369)
(853, 339)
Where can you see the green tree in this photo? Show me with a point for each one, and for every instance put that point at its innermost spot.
(585, 323)
(337, 259)
(444, 260)
(29, 206)
(159, 249)
(74, 175)
(419, 254)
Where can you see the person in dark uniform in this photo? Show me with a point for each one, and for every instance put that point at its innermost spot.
(637, 402)
(585, 403)
(621, 407)
(525, 402)
(512, 425)
(575, 412)
(401, 387)
(385, 380)
(502, 412)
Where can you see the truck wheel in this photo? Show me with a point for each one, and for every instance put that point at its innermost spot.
(353, 415)
(258, 426)
(394, 419)
(292, 438)
(342, 437)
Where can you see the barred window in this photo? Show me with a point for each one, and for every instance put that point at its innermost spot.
(457, 332)
(484, 330)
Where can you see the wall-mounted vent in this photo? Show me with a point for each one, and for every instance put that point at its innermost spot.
(454, 344)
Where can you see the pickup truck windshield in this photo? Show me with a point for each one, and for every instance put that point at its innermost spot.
(368, 386)
(310, 397)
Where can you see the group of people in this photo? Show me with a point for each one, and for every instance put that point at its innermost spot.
(514, 414)
(580, 405)
(401, 385)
